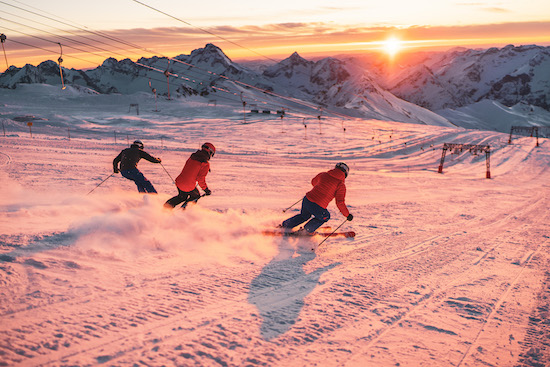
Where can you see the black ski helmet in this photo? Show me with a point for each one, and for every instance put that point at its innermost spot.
(138, 144)
(343, 167)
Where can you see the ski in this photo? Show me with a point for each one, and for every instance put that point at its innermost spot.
(185, 203)
(346, 234)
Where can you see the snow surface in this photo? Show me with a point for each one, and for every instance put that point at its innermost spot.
(446, 269)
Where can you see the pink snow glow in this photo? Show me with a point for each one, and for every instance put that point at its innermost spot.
(446, 269)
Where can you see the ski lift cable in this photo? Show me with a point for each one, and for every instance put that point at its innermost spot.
(84, 28)
(213, 34)
(68, 39)
(45, 49)
(203, 30)
(79, 27)
(150, 51)
(291, 99)
(224, 39)
(53, 34)
(50, 51)
(100, 34)
(175, 75)
(73, 57)
(181, 77)
(142, 65)
(46, 40)
(294, 100)
(97, 33)
(55, 52)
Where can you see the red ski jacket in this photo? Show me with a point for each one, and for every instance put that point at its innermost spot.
(327, 186)
(195, 170)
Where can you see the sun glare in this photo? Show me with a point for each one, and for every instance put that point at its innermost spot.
(392, 46)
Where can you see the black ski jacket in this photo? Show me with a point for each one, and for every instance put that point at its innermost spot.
(130, 157)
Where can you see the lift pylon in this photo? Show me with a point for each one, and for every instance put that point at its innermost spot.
(472, 148)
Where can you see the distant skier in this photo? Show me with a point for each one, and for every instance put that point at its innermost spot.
(326, 186)
(194, 172)
(129, 159)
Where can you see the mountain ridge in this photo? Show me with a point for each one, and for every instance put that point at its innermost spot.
(430, 91)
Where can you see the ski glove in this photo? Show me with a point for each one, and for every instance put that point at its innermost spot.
(207, 191)
(350, 217)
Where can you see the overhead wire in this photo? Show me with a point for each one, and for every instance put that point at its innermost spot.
(142, 48)
(100, 34)
(53, 34)
(62, 30)
(41, 48)
(216, 35)
(67, 24)
(130, 44)
(222, 38)
(202, 29)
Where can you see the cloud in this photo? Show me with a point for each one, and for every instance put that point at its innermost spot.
(499, 30)
(280, 39)
(484, 7)
(497, 10)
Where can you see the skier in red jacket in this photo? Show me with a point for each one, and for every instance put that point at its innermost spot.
(194, 172)
(326, 186)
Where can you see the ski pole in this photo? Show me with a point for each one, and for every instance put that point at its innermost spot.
(326, 238)
(101, 183)
(284, 210)
(174, 182)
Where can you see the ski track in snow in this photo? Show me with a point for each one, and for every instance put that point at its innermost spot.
(446, 269)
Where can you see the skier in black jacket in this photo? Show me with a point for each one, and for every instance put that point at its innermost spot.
(129, 159)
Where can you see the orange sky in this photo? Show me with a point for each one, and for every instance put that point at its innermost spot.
(32, 34)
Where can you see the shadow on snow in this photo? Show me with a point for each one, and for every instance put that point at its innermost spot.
(280, 289)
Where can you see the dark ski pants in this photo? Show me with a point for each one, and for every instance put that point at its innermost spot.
(143, 184)
(320, 216)
(182, 197)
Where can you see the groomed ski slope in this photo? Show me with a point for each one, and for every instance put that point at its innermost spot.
(446, 269)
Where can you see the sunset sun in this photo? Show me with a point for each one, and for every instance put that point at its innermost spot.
(392, 46)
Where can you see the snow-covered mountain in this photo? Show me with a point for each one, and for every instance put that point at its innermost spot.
(345, 88)
(46, 72)
(126, 76)
(458, 78)
(292, 84)
(428, 90)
